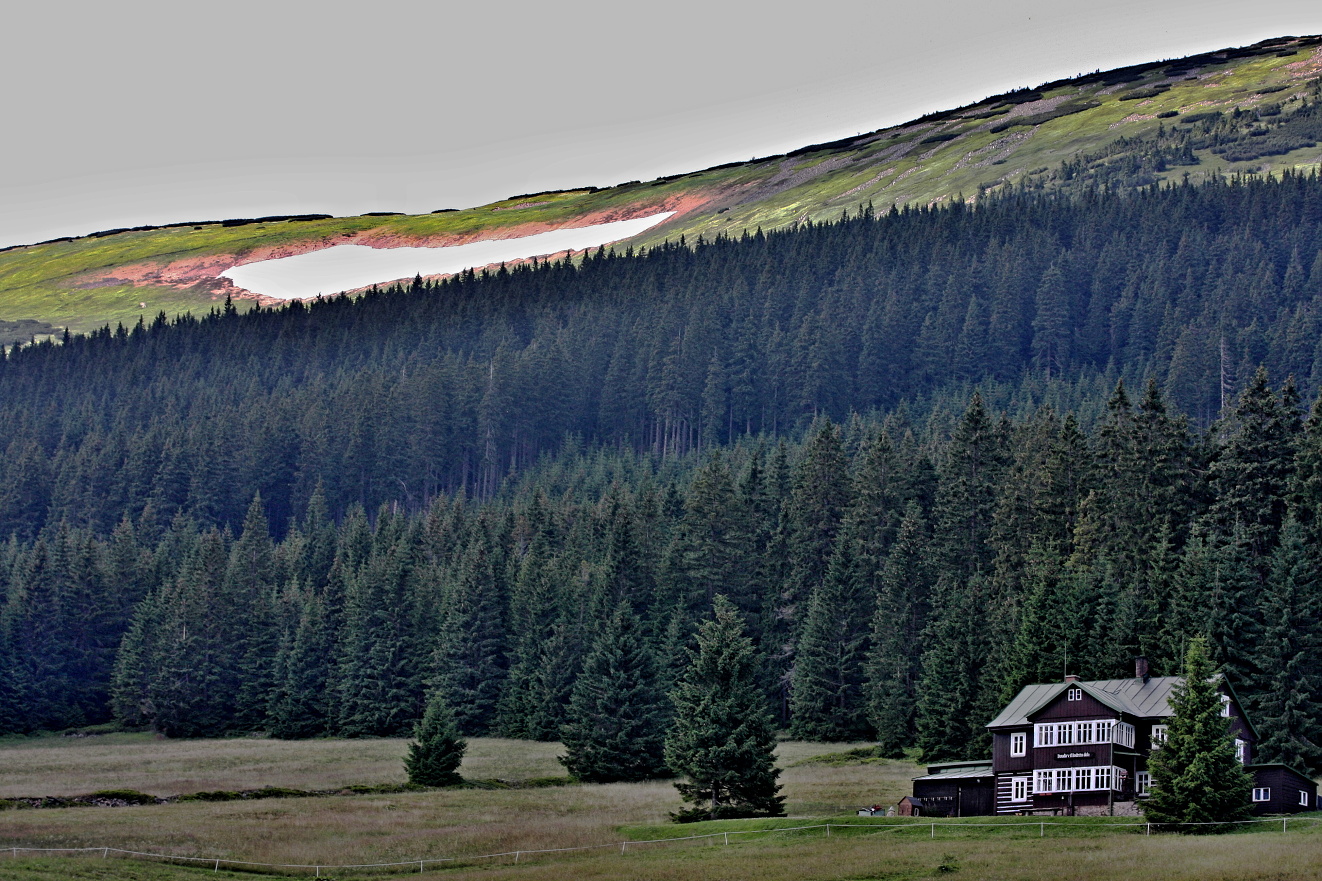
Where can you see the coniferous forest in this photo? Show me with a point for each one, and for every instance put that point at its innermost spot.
(928, 455)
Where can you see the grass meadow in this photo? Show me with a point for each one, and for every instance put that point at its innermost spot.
(820, 781)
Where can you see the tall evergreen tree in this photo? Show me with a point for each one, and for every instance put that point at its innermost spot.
(722, 737)
(471, 662)
(617, 716)
(1289, 709)
(1196, 777)
(894, 661)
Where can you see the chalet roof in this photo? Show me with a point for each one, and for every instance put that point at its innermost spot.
(1148, 699)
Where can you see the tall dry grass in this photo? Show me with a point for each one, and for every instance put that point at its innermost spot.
(72, 766)
(359, 829)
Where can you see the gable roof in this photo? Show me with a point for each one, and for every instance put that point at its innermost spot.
(1148, 699)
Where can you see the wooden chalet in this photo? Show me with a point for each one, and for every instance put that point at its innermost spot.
(1081, 748)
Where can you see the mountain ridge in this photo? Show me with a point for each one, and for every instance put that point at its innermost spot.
(1248, 110)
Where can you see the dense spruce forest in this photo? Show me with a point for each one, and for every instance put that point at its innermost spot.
(930, 455)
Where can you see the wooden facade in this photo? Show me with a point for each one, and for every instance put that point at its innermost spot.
(1077, 747)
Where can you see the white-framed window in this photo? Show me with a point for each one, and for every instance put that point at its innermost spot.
(1142, 783)
(1158, 736)
(1043, 782)
(1225, 705)
(1303, 797)
(1064, 733)
(1241, 751)
(1122, 733)
(1102, 779)
(1083, 732)
(1019, 788)
(1083, 778)
(1074, 694)
(1104, 731)
(1064, 780)
(1019, 743)
(1044, 735)
(1262, 793)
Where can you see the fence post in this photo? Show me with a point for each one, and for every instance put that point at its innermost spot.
(1042, 830)
(623, 845)
(516, 856)
(828, 830)
(1284, 820)
(105, 852)
(217, 868)
(419, 867)
(727, 838)
(1149, 832)
(934, 830)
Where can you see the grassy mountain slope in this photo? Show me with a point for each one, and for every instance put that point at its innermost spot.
(1251, 110)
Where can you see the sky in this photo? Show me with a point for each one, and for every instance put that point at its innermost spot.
(147, 112)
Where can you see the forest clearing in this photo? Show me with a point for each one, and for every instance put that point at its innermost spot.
(821, 782)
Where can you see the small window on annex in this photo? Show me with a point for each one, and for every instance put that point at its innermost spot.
(1303, 798)
(1262, 793)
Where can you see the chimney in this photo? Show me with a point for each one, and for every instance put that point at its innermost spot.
(1141, 668)
(1070, 677)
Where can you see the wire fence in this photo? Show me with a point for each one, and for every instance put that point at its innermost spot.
(624, 847)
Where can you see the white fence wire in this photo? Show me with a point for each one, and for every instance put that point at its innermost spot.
(623, 846)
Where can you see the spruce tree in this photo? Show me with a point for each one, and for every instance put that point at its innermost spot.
(827, 701)
(470, 660)
(437, 750)
(722, 737)
(1290, 708)
(1196, 777)
(616, 727)
(894, 661)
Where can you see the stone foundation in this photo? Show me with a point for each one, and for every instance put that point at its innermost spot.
(1122, 809)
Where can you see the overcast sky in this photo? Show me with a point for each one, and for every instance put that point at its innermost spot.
(119, 114)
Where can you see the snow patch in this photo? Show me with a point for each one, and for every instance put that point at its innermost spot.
(350, 267)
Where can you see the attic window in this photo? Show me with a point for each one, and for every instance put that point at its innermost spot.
(1074, 694)
(1225, 705)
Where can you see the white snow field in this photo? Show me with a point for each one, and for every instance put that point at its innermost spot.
(346, 267)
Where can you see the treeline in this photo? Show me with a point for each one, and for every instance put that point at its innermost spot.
(409, 395)
(898, 591)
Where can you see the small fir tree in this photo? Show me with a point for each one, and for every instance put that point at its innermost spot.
(616, 727)
(434, 756)
(722, 737)
(1196, 777)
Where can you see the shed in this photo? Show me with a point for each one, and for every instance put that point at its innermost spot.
(910, 807)
(957, 789)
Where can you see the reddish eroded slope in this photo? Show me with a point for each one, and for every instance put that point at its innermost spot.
(201, 273)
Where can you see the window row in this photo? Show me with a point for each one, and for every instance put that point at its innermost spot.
(1070, 733)
(1075, 779)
